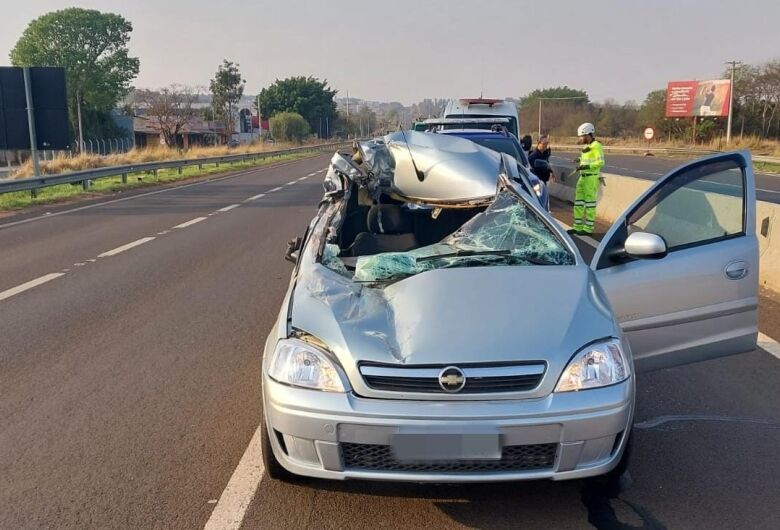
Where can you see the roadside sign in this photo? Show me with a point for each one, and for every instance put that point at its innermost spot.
(649, 133)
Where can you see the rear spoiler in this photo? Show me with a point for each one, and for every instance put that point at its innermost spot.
(448, 121)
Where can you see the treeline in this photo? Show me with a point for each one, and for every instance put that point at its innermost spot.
(756, 111)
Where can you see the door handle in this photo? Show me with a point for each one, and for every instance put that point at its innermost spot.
(736, 270)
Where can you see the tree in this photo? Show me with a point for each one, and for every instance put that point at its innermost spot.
(169, 110)
(553, 92)
(307, 96)
(289, 126)
(92, 48)
(227, 87)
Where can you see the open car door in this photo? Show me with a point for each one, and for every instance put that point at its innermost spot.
(691, 294)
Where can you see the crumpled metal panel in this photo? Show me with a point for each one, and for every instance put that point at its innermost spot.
(452, 168)
(506, 225)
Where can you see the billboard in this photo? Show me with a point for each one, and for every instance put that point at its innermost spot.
(49, 104)
(698, 98)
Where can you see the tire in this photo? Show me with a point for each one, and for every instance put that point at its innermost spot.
(273, 468)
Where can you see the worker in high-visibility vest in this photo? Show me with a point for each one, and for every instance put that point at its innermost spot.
(586, 195)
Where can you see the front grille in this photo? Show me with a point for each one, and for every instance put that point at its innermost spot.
(481, 379)
(374, 457)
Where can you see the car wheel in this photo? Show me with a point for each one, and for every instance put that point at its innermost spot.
(273, 468)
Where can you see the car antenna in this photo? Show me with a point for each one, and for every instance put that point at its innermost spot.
(420, 174)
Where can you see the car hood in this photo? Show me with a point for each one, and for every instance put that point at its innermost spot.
(453, 316)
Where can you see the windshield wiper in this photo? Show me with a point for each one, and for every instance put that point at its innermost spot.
(534, 260)
(462, 253)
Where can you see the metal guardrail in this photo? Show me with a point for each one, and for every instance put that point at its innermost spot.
(666, 150)
(33, 184)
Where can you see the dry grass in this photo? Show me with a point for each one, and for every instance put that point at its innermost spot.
(63, 164)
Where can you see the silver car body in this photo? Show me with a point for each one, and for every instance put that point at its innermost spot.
(696, 303)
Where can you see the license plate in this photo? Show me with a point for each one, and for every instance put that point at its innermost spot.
(414, 446)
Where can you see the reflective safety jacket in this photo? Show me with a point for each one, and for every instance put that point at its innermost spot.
(592, 157)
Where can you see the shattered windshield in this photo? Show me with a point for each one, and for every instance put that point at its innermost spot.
(506, 233)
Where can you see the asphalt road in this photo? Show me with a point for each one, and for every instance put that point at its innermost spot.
(653, 167)
(129, 386)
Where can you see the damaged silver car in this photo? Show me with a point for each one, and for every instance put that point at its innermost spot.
(440, 326)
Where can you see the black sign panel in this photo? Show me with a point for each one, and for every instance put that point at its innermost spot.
(49, 105)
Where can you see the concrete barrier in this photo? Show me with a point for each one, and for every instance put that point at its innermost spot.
(621, 191)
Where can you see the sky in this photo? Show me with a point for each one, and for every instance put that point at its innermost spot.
(406, 51)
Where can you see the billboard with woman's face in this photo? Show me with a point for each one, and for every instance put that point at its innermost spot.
(698, 98)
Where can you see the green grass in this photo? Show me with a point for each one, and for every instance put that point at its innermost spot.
(108, 185)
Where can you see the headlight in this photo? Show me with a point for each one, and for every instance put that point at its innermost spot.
(538, 189)
(597, 365)
(297, 362)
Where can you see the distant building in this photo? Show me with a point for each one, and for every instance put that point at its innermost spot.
(196, 131)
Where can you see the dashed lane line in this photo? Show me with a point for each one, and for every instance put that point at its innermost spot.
(118, 250)
(232, 506)
(228, 208)
(148, 193)
(29, 285)
(292, 182)
(190, 222)
(275, 189)
(255, 197)
(311, 174)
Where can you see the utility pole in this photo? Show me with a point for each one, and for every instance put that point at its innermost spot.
(31, 122)
(347, 114)
(734, 65)
(81, 130)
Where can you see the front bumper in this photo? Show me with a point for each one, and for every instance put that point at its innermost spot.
(307, 429)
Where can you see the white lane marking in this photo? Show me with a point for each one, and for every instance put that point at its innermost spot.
(254, 197)
(117, 250)
(291, 183)
(768, 344)
(191, 222)
(311, 174)
(155, 192)
(29, 285)
(231, 508)
(275, 189)
(303, 178)
(162, 233)
(228, 208)
(765, 342)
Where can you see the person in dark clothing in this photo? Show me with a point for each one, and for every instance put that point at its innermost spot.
(541, 152)
(526, 142)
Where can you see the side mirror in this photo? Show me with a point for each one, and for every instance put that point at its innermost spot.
(293, 249)
(645, 245)
(541, 164)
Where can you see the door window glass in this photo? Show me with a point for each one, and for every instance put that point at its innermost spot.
(700, 205)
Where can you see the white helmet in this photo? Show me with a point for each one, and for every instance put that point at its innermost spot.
(586, 128)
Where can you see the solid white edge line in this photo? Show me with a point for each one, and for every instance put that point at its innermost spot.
(765, 342)
(232, 506)
(191, 222)
(275, 189)
(254, 197)
(117, 250)
(311, 174)
(29, 285)
(768, 344)
(228, 208)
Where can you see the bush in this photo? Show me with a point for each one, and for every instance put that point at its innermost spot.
(289, 127)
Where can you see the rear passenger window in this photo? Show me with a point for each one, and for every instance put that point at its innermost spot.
(698, 206)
